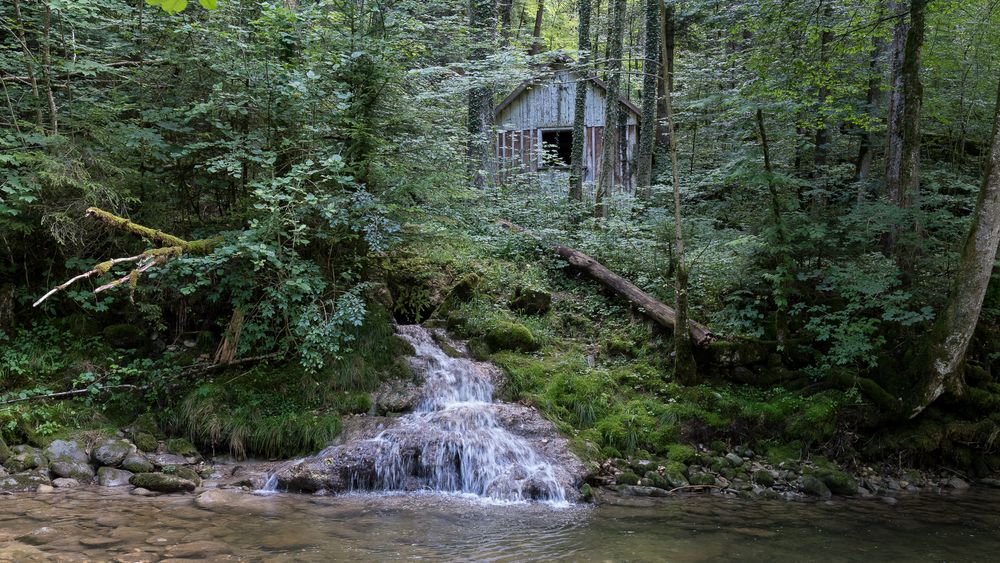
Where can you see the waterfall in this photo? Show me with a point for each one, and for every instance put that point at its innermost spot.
(270, 486)
(453, 441)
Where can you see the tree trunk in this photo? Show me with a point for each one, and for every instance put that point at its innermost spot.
(580, 106)
(506, 9)
(685, 369)
(665, 316)
(482, 22)
(47, 67)
(536, 33)
(647, 129)
(29, 66)
(863, 164)
(823, 131)
(666, 78)
(610, 139)
(901, 184)
(945, 351)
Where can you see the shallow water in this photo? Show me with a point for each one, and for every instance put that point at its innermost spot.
(107, 524)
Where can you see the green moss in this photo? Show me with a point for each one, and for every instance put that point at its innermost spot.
(511, 336)
(627, 478)
(182, 447)
(792, 451)
(355, 403)
(145, 442)
(680, 452)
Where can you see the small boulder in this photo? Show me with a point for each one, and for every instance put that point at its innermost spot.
(72, 469)
(25, 458)
(144, 441)
(4, 452)
(110, 453)
(812, 485)
(957, 484)
(676, 474)
(531, 301)
(627, 478)
(23, 482)
(637, 491)
(163, 460)
(137, 463)
(764, 478)
(110, 477)
(511, 336)
(162, 483)
(66, 449)
(44, 489)
(198, 550)
(184, 472)
(65, 483)
(734, 459)
(140, 492)
(840, 483)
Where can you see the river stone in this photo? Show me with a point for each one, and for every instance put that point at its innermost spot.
(734, 459)
(23, 482)
(198, 549)
(44, 489)
(73, 469)
(814, 486)
(163, 460)
(99, 542)
(763, 477)
(109, 477)
(183, 472)
(111, 452)
(40, 536)
(66, 449)
(958, 484)
(24, 458)
(638, 491)
(145, 441)
(161, 482)
(840, 483)
(137, 463)
(65, 483)
(140, 492)
(4, 452)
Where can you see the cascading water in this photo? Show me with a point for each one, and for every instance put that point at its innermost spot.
(453, 440)
(270, 486)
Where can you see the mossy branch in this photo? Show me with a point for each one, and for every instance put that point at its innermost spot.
(173, 247)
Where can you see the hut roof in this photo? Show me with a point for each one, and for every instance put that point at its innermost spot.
(600, 84)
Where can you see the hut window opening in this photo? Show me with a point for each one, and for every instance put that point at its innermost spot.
(557, 145)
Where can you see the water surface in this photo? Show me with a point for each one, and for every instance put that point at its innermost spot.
(107, 524)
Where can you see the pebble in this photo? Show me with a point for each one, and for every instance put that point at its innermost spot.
(45, 489)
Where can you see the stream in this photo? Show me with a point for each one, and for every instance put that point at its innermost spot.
(101, 524)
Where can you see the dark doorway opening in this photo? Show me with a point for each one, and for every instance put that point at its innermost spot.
(558, 147)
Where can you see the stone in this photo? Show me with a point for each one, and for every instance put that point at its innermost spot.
(627, 478)
(637, 491)
(163, 460)
(675, 474)
(956, 483)
(812, 485)
(839, 483)
(40, 536)
(198, 549)
(182, 447)
(531, 301)
(137, 463)
(734, 459)
(763, 478)
(183, 472)
(4, 452)
(65, 483)
(162, 483)
(66, 449)
(23, 482)
(110, 477)
(44, 489)
(141, 492)
(145, 441)
(73, 469)
(701, 478)
(110, 453)
(99, 542)
(24, 458)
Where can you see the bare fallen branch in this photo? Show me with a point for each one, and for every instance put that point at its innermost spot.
(69, 393)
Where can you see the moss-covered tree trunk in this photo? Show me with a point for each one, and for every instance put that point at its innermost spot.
(580, 102)
(483, 23)
(902, 173)
(610, 138)
(945, 351)
(647, 129)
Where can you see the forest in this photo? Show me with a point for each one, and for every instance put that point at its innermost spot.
(215, 215)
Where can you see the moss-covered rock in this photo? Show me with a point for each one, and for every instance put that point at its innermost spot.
(137, 463)
(627, 478)
(812, 485)
(111, 477)
(24, 458)
(67, 450)
(182, 447)
(838, 482)
(145, 442)
(511, 336)
(531, 301)
(23, 482)
(110, 453)
(183, 472)
(701, 478)
(162, 483)
(675, 474)
(657, 480)
(763, 478)
(72, 469)
(5, 452)
(681, 453)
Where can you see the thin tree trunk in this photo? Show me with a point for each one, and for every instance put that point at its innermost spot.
(536, 33)
(28, 63)
(610, 139)
(580, 102)
(506, 9)
(482, 22)
(666, 78)
(647, 129)
(823, 131)
(685, 368)
(909, 178)
(47, 67)
(945, 351)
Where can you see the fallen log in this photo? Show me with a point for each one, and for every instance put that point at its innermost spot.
(654, 309)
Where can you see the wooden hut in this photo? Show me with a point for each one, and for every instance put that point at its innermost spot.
(534, 129)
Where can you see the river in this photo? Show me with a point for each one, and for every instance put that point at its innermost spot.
(101, 524)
